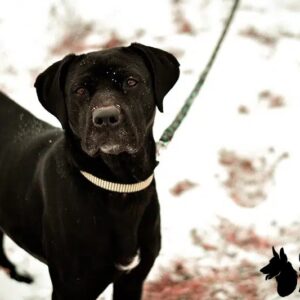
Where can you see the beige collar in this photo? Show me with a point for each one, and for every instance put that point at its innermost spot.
(118, 187)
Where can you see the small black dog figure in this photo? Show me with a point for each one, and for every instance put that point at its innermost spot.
(280, 268)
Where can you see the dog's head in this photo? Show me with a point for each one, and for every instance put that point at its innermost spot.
(108, 98)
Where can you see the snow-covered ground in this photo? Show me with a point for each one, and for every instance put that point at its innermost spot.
(229, 182)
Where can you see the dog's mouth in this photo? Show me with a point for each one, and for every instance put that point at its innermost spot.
(116, 149)
(113, 143)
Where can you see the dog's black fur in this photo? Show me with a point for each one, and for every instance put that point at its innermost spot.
(48, 208)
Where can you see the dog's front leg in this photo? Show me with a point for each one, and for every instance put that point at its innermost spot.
(129, 285)
(76, 276)
(68, 286)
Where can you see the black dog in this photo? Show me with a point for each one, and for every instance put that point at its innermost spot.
(83, 199)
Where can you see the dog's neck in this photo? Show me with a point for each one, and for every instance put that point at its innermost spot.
(122, 168)
(138, 166)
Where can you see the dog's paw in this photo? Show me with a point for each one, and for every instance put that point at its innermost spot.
(133, 263)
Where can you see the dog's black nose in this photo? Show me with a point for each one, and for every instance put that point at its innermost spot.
(108, 115)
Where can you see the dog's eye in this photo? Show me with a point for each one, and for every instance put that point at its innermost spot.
(81, 91)
(131, 82)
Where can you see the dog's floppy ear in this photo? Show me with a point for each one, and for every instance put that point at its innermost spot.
(50, 88)
(164, 69)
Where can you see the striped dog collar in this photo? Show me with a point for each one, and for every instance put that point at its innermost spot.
(117, 187)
